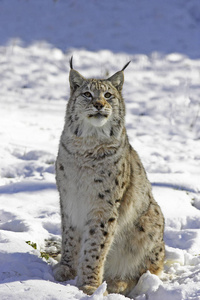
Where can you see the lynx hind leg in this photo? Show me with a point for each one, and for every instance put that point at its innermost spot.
(156, 259)
(150, 230)
(154, 263)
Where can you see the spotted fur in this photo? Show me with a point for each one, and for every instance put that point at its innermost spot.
(112, 228)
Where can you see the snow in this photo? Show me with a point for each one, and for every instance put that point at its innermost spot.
(162, 92)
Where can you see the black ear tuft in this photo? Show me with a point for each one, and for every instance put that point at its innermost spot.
(126, 65)
(70, 62)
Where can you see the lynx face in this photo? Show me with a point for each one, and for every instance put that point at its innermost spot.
(95, 103)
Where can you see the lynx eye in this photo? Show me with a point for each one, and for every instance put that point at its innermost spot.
(107, 95)
(88, 94)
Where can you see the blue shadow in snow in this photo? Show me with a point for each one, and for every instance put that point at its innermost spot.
(173, 186)
(23, 266)
(20, 187)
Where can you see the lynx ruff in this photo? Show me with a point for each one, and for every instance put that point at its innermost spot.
(112, 228)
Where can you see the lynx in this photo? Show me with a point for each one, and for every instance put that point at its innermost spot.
(112, 228)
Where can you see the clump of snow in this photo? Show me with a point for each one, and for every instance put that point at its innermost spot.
(147, 284)
(161, 91)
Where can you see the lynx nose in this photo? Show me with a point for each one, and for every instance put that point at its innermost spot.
(99, 104)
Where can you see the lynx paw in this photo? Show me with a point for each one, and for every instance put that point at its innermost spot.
(62, 272)
(89, 290)
(116, 287)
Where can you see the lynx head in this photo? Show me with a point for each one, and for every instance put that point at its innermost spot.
(95, 104)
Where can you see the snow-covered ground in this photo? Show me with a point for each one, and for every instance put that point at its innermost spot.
(162, 93)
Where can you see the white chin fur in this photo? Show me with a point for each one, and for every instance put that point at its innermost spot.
(97, 122)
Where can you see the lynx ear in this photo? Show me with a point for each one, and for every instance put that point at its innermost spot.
(118, 78)
(75, 78)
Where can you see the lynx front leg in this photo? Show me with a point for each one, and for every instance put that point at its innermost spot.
(97, 239)
(66, 268)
